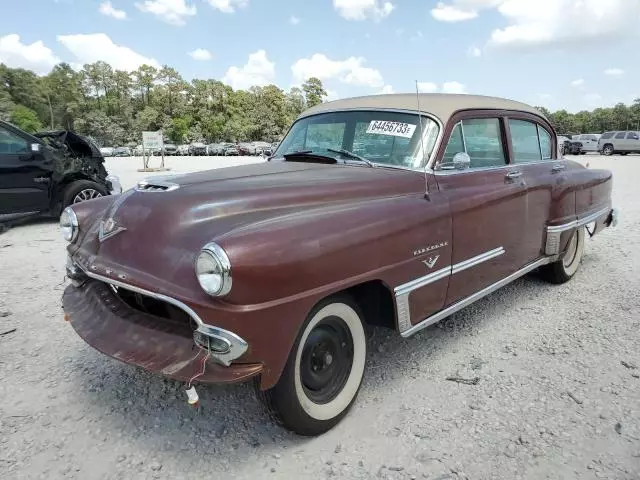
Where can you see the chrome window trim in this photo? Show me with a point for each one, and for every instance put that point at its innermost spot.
(402, 292)
(237, 344)
(507, 165)
(436, 144)
(436, 317)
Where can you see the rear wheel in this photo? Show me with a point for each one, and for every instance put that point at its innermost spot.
(565, 268)
(324, 371)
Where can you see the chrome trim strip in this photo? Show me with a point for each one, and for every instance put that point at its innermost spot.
(237, 345)
(472, 262)
(422, 281)
(577, 223)
(476, 296)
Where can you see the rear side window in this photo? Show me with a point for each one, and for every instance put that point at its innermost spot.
(620, 135)
(632, 136)
(607, 135)
(530, 142)
(10, 143)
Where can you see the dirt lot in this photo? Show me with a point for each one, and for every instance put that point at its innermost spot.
(558, 395)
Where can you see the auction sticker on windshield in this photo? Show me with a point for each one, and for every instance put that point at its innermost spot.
(396, 129)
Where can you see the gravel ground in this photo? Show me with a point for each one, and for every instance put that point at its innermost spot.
(557, 397)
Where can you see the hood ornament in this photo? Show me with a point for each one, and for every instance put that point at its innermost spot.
(109, 228)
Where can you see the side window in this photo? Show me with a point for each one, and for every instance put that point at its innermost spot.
(632, 136)
(11, 143)
(545, 143)
(620, 135)
(481, 139)
(483, 142)
(455, 145)
(607, 135)
(524, 138)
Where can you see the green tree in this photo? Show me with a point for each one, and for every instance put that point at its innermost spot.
(26, 119)
(178, 130)
(314, 92)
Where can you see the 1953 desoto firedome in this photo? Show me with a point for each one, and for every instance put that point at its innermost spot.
(388, 210)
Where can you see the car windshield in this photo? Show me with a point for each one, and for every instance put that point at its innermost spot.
(382, 137)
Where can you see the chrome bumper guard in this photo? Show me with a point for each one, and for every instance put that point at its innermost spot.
(613, 218)
(223, 346)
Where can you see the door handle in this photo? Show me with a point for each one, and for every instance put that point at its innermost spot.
(513, 175)
(557, 168)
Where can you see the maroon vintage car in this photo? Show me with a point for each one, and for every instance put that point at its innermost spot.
(372, 211)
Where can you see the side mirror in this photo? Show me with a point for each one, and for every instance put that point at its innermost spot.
(36, 148)
(461, 161)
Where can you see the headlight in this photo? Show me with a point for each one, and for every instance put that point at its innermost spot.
(69, 225)
(213, 270)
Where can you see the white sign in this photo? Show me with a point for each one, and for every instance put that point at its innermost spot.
(152, 139)
(396, 129)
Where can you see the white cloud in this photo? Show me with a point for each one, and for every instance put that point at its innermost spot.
(36, 57)
(106, 8)
(363, 9)
(578, 82)
(349, 71)
(475, 51)
(98, 46)
(293, 20)
(453, 87)
(258, 71)
(174, 12)
(447, 87)
(592, 100)
(201, 54)
(451, 13)
(386, 90)
(615, 72)
(228, 6)
(427, 87)
(544, 22)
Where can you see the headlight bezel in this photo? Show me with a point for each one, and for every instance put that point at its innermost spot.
(73, 225)
(216, 253)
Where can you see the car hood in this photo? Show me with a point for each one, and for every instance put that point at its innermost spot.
(77, 145)
(163, 230)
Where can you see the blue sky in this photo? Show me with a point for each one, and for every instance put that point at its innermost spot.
(574, 54)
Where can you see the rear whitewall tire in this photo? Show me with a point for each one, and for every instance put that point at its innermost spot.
(563, 269)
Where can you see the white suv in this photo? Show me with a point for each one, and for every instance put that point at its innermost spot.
(619, 142)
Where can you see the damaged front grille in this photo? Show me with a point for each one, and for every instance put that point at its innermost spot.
(163, 311)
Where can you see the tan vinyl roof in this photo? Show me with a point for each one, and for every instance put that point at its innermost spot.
(441, 105)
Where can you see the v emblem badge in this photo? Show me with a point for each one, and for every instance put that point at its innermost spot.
(108, 228)
(431, 262)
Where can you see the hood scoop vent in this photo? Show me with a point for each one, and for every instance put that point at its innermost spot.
(156, 186)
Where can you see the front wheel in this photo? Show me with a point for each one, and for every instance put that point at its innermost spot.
(563, 269)
(324, 371)
(81, 191)
(608, 150)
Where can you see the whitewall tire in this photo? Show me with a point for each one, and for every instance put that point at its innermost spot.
(563, 269)
(324, 370)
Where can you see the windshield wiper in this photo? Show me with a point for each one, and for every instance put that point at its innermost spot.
(351, 155)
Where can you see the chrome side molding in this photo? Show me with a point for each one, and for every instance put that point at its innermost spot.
(435, 318)
(552, 242)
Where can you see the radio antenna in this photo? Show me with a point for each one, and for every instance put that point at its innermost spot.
(426, 182)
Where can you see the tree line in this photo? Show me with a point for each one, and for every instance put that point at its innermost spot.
(115, 106)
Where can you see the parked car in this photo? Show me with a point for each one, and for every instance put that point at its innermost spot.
(122, 152)
(48, 171)
(197, 148)
(246, 149)
(564, 144)
(619, 142)
(214, 149)
(169, 149)
(183, 150)
(274, 276)
(107, 151)
(231, 149)
(587, 142)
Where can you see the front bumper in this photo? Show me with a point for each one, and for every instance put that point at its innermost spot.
(156, 344)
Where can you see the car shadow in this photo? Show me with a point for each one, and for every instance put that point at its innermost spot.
(30, 220)
(151, 410)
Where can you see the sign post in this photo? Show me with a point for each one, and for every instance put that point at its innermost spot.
(152, 141)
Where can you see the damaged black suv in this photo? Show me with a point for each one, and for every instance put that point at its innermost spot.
(45, 172)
